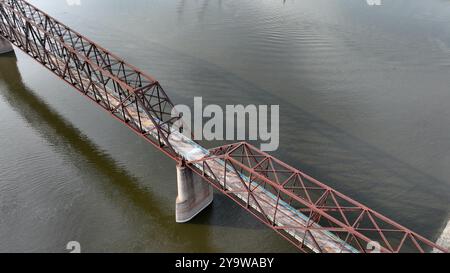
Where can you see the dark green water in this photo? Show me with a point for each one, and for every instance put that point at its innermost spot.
(364, 103)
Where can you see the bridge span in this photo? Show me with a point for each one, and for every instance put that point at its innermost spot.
(311, 215)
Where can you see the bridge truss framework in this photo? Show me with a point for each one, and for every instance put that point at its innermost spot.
(269, 189)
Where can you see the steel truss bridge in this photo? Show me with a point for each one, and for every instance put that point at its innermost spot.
(311, 215)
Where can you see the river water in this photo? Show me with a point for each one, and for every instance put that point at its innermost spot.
(364, 105)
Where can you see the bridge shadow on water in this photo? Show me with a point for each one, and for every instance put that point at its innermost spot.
(59, 132)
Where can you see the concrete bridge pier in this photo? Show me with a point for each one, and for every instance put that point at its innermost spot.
(5, 46)
(194, 194)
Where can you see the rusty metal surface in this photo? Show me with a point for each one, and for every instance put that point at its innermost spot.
(347, 225)
(47, 40)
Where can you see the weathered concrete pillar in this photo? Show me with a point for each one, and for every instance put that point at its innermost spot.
(5, 46)
(444, 240)
(194, 194)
